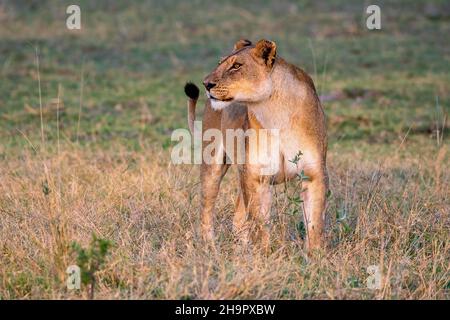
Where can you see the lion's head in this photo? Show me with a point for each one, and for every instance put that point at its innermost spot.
(242, 76)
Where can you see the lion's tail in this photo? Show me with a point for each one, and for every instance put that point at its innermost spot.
(192, 92)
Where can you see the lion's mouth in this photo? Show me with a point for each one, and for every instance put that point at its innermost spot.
(210, 96)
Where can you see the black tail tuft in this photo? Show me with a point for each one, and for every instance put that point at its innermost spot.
(191, 90)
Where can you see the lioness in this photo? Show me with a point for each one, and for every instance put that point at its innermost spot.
(254, 88)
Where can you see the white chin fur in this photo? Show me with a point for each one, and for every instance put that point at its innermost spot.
(219, 105)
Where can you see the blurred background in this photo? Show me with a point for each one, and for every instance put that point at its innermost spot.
(135, 56)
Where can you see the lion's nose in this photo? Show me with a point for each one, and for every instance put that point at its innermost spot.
(209, 85)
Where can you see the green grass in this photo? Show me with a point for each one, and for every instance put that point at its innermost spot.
(137, 56)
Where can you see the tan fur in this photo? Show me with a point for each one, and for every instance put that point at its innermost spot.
(266, 92)
(191, 113)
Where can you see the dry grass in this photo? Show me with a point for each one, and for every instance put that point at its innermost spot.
(121, 80)
(396, 217)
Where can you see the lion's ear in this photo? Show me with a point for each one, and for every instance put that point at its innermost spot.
(266, 50)
(242, 43)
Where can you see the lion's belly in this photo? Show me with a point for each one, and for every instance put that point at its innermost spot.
(280, 162)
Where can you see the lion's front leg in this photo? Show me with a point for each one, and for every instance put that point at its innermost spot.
(314, 200)
(257, 197)
(211, 176)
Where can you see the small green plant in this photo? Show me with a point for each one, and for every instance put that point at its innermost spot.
(45, 188)
(302, 176)
(296, 200)
(90, 260)
(301, 229)
(342, 225)
(297, 157)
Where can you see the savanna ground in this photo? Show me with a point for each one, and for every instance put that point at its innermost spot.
(99, 161)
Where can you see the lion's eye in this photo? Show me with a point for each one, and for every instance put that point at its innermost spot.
(236, 66)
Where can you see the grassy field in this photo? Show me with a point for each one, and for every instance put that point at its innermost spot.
(98, 160)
